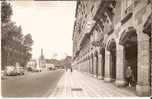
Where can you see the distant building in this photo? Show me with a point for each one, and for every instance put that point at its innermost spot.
(56, 63)
(32, 63)
(49, 65)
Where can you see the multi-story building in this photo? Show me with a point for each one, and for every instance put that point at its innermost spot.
(109, 36)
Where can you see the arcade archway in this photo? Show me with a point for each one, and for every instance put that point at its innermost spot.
(112, 49)
(129, 41)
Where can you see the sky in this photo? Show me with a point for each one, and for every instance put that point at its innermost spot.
(50, 23)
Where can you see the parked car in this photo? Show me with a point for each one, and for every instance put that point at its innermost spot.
(52, 68)
(20, 70)
(3, 76)
(36, 70)
(29, 69)
(39, 69)
(10, 71)
(2, 73)
(33, 69)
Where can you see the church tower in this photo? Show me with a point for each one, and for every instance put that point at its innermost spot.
(42, 56)
(42, 63)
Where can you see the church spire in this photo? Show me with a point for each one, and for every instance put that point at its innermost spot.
(42, 56)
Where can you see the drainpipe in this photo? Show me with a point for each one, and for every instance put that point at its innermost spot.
(151, 62)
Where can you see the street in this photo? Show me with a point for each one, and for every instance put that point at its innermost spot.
(31, 84)
(76, 48)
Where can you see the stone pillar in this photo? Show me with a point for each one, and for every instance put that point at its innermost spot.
(143, 80)
(100, 67)
(90, 65)
(108, 60)
(151, 60)
(94, 65)
(120, 66)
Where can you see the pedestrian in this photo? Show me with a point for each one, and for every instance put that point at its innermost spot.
(129, 76)
(71, 69)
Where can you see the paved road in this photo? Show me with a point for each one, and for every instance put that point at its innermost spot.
(31, 85)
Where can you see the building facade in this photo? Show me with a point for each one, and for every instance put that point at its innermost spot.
(109, 36)
(32, 63)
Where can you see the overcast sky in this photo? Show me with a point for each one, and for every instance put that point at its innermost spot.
(49, 22)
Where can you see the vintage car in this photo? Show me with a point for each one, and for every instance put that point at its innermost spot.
(10, 71)
(36, 70)
(19, 70)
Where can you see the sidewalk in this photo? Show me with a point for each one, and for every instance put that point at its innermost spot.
(77, 84)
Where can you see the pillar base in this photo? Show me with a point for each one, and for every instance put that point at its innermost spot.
(107, 79)
(143, 90)
(100, 77)
(90, 74)
(120, 83)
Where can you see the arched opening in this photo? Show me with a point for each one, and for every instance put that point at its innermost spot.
(112, 49)
(129, 41)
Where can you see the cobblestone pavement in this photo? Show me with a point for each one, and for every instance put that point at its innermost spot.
(77, 84)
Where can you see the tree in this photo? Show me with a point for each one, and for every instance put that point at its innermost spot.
(12, 38)
(6, 11)
(28, 42)
(15, 46)
(6, 27)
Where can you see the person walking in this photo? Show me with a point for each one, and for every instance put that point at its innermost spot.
(129, 76)
(71, 69)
